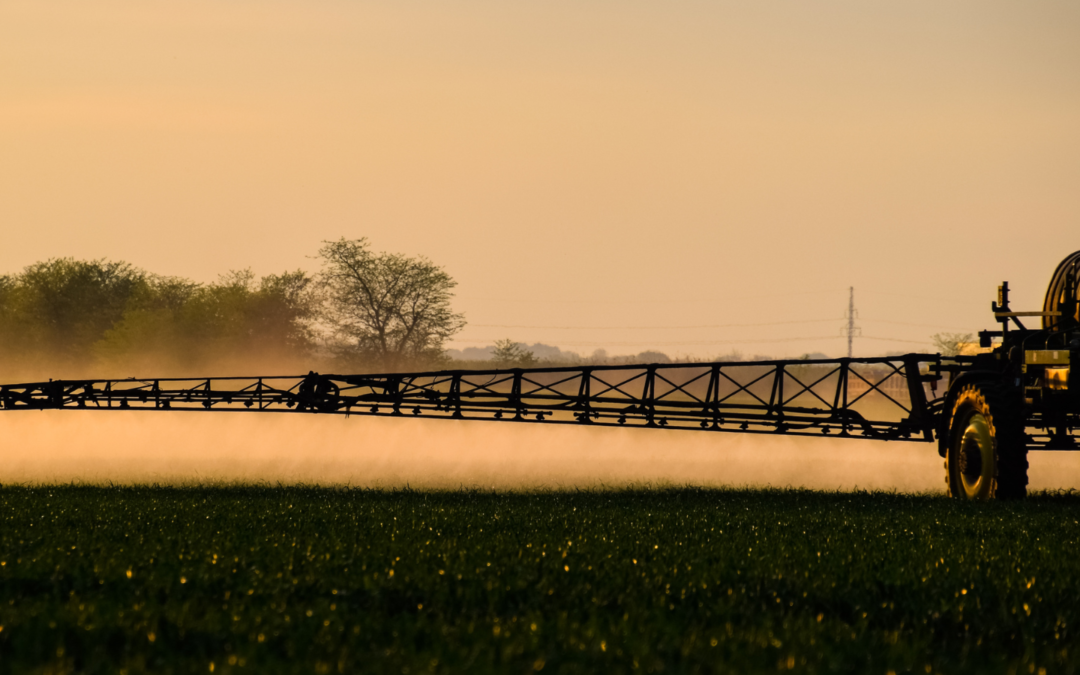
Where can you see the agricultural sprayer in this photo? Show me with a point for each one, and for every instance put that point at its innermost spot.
(986, 411)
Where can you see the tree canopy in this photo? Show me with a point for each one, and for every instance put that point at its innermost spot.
(67, 318)
(57, 309)
(237, 323)
(70, 318)
(386, 309)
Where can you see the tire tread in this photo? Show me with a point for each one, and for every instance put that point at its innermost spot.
(1004, 411)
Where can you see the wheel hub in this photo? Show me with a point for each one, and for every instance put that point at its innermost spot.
(971, 460)
(976, 457)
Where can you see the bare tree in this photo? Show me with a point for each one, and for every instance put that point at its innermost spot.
(949, 344)
(384, 309)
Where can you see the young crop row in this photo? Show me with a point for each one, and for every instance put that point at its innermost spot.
(295, 579)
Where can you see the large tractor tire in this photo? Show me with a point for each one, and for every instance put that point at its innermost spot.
(987, 456)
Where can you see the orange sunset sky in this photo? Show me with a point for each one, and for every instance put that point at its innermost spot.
(593, 173)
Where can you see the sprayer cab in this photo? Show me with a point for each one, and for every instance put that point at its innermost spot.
(1033, 365)
(1042, 358)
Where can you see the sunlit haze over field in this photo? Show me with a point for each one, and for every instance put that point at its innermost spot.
(698, 178)
(127, 448)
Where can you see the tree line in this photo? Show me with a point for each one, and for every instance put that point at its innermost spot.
(363, 310)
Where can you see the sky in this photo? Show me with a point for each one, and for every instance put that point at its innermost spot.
(694, 177)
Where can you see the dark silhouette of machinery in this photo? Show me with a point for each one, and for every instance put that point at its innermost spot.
(986, 411)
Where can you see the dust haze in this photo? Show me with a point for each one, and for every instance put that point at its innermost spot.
(183, 448)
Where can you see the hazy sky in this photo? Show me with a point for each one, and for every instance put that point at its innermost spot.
(593, 173)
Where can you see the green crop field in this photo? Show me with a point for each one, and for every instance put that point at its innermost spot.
(313, 580)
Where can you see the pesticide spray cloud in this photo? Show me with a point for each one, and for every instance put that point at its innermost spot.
(179, 448)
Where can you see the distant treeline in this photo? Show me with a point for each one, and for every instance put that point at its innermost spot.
(361, 312)
(510, 354)
(66, 318)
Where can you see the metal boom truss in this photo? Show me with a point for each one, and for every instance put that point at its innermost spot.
(879, 398)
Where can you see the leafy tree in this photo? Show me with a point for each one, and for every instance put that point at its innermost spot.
(236, 324)
(283, 312)
(54, 311)
(949, 344)
(510, 354)
(386, 310)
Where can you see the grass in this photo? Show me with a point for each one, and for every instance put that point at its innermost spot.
(297, 579)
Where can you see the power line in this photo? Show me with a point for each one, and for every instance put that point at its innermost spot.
(675, 344)
(748, 341)
(719, 325)
(646, 301)
(919, 325)
(849, 331)
(735, 299)
(914, 342)
(947, 300)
